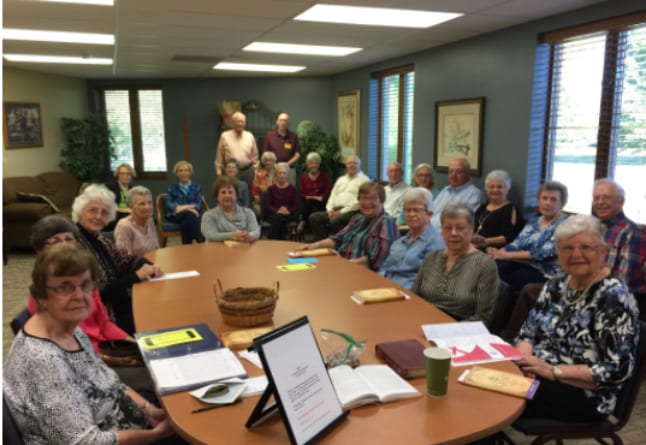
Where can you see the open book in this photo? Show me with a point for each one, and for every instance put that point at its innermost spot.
(470, 343)
(369, 384)
(500, 381)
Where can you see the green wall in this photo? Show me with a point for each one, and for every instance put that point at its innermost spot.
(498, 66)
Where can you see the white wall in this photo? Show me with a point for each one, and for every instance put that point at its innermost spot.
(59, 96)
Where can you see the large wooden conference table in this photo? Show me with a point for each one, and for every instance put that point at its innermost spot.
(323, 294)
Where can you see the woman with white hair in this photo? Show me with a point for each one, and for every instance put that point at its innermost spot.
(118, 270)
(184, 203)
(136, 233)
(315, 189)
(263, 179)
(498, 221)
(580, 338)
(281, 203)
(408, 252)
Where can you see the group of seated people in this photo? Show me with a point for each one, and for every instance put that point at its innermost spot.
(588, 272)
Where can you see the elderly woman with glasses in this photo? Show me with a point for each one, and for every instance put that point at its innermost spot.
(184, 203)
(51, 231)
(368, 235)
(118, 270)
(315, 188)
(55, 385)
(580, 338)
(460, 280)
(408, 252)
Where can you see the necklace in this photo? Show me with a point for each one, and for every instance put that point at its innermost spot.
(585, 291)
(482, 220)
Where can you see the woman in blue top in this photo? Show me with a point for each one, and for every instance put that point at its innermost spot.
(531, 257)
(184, 203)
(408, 252)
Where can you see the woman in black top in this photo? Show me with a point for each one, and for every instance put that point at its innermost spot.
(498, 221)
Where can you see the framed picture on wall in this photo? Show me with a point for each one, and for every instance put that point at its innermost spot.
(458, 132)
(349, 122)
(22, 125)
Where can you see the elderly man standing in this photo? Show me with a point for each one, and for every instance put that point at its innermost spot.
(626, 242)
(343, 203)
(395, 189)
(460, 189)
(284, 144)
(240, 145)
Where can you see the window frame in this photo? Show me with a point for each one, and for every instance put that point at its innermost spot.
(605, 151)
(135, 126)
(379, 76)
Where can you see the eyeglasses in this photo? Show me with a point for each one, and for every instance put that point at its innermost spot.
(583, 248)
(53, 241)
(66, 289)
(416, 211)
(458, 229)
(125, 173)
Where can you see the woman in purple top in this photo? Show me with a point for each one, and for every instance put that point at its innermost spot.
(281, 203)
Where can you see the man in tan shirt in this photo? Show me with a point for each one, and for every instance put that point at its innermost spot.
(240, 145)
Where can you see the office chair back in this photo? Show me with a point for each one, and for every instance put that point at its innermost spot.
(548, 430)
(19, 320)
(10, 433)
(502, 309)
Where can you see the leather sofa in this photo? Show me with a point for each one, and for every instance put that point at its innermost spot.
(27, 199)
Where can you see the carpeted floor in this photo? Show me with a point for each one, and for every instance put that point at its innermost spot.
(16, 278)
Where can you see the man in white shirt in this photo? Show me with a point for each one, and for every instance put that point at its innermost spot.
(343, 203)
(240, 145)
(395, 190)
(460, 189)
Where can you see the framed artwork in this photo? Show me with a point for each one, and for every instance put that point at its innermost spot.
(349, 125)
(458, 132)
(22, 125)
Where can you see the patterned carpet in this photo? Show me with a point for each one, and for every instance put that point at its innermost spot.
(16, 278)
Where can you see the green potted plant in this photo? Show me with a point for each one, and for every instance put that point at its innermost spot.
(313, 138)
(89, 148)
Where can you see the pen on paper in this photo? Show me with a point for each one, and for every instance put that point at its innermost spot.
(207, 408)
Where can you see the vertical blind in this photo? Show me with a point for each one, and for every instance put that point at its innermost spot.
(391, 121)
(589, 112)
(136, 122)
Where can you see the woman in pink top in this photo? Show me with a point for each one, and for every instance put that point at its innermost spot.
(56, 229)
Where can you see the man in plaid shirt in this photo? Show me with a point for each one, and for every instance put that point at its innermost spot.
(626, 239)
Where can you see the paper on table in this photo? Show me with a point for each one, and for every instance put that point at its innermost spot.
(251, 356)
(192, 370)
(175, 275)
(255, 386)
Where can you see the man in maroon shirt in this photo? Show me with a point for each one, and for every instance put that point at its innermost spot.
(284, 144)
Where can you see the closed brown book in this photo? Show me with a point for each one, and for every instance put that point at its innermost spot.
(406, 357)
(368, 296)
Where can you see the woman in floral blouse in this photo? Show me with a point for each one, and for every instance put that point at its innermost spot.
(580, 337)
(531, 257)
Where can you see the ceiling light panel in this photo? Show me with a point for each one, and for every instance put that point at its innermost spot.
(289, 48)
(359, 15)
(33, 35)
(258, 67)
(34, 58)
(84, 2)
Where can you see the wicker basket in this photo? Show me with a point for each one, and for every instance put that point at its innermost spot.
(246, 306)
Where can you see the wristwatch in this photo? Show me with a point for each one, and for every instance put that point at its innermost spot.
(557, 373)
